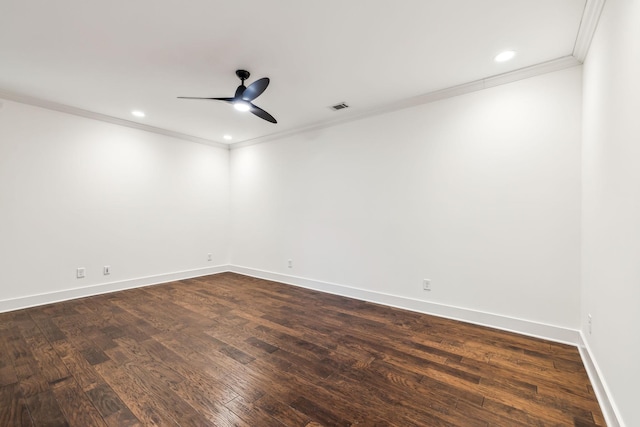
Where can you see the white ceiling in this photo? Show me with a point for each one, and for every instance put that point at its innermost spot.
(111, 57)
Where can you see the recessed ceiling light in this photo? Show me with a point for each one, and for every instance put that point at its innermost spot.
(504, 56)
(138, 113)
(228, 137)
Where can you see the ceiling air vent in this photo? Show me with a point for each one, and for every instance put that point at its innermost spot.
(340, 106)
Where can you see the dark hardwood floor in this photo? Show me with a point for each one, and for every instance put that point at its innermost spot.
(230, 350)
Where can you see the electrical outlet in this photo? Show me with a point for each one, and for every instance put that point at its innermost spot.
(290, 263)
(80, 273)
(209, 257)
(426, 284)
(106, 270)
(589, 320)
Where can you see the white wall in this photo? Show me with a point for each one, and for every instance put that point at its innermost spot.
(479, 193)
(611, 203)
(76, 192)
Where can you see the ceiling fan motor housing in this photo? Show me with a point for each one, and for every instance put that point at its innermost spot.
(243, 74)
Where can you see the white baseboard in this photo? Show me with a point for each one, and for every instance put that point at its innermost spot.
(520, 326)
(607, 405)
(506, 323)
(511, 324)
(102, 288)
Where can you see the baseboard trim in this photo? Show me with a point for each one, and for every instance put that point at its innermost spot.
(505, 323)
(607, 405)
(103, 288)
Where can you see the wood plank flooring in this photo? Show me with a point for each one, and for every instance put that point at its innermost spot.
(229, 350)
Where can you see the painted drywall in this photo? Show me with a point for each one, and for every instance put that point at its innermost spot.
(611, 204)
(479, 193)
(76, 192)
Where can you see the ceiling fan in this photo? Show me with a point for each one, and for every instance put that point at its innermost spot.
(244, 95)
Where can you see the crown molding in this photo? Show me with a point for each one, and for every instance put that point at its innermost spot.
(588, 25)
(499, 79)
(496, 80)
(50, 105)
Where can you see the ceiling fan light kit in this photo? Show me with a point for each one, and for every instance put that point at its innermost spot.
(244, 95)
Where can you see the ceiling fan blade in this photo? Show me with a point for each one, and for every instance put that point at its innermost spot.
(262, 114)
(241, 89)
(215, 99)
(255, 89)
